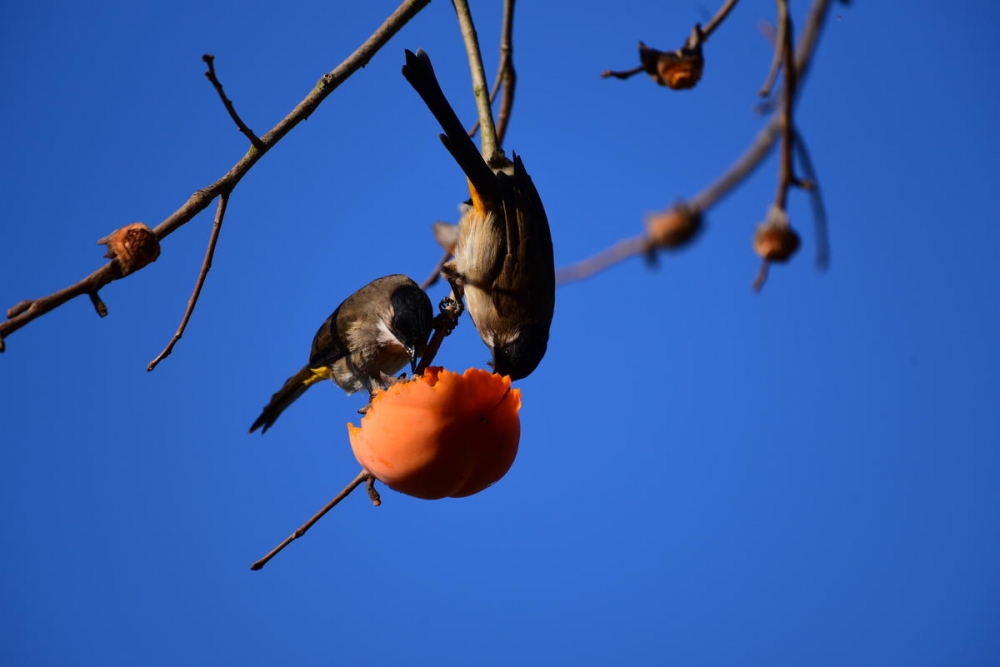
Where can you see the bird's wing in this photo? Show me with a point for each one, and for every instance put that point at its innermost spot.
(529, 241)
(327, 345)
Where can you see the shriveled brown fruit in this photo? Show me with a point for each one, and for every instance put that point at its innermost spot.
(775, 240)
(679, 70)
(672, 229)
(134, 246)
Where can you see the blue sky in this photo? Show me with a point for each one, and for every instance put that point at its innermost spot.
(706, 476)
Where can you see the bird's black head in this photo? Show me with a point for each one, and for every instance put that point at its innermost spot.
(412, 314)
(519, 357)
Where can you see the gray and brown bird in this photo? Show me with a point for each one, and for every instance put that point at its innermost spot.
(373, 334)
(503, 259)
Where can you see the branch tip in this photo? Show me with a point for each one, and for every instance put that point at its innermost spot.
(247, 132)
(19, 308)
(95, 298)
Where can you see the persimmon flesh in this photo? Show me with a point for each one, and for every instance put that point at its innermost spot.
(442, 434)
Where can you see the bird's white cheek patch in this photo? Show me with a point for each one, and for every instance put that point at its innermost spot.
(386, 337)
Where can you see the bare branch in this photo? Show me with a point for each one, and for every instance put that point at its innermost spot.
(506, 76)
(99, 306)
(602, 260)
(488, 132)
(372, 491)
(435, 275)
(506, 71)
(444, 323)
(623, 74)
(202, 198)
(362, 477)
(210, 75)
(761, 277)
(717, 20)
(220, 213)
(779, 51)
(786, 169)
(764, 142)
(818, 207)
(741, 169)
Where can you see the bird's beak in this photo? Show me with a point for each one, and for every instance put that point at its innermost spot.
(412, 351)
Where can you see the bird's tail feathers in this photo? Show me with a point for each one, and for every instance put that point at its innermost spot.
(420, 73)
(294, 387)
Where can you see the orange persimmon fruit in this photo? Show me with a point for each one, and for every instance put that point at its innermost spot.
(442, 434)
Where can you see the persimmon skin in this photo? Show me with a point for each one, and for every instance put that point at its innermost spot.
(440, 435)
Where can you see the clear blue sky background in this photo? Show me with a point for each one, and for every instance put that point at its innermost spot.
(808, 476)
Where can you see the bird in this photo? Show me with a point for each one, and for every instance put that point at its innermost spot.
(503, 261)
(367, 339)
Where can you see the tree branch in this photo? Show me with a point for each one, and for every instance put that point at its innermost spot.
(786, 168)
(739, 171)
(210, 75)
(818, 207)
(506, 76)
(717, 20)
(362, 477)
(220, 213)
(202, 198)
(779, 46)
(487, 129)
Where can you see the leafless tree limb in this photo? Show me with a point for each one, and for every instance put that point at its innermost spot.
(779, 41)
(692, 47)
(487, 128)
(206, 265)
(363, 477)
(739, 171)
(247, 132)
(818, 207)
(717, 20)
(506, 76)
(202, 198)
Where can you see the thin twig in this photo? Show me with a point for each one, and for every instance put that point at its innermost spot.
(786, 169)
(623, 74)
(435, 275)
(362, 477)
(497, 82)
(602, 260)
(18, 308)
(506, 77)
(818, 207)
(444, 323)
(95, 298)
(372, 491)
(761, 277)
(506, 72)
(206, 265)
(210, 75)
(779, 51)
(741, 169)
(488, 131)
(202, 198)
(764, 141)
(717, 20)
